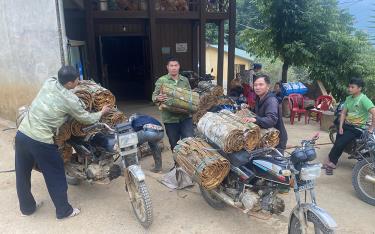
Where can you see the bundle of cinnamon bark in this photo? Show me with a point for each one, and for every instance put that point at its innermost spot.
(93, 97)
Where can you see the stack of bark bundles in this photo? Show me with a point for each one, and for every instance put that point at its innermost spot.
(93, 95)
(171, 5)
(204, 164)
(210, 95)
(179, 100)
(252, 132)
(226, 135)
(268, 137)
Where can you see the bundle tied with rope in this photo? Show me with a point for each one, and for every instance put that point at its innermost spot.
(204, 164)
(221, 132)
(179, 100)
(251, 131)
(210, 95)
(268, 137)
(113, 118)
(99, 95)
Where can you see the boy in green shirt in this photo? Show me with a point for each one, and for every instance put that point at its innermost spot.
(354, 115)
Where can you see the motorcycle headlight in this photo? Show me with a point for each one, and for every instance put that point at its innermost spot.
(310, 172)
(126, 140)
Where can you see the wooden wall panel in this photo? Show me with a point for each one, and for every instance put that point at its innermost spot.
(168, 33)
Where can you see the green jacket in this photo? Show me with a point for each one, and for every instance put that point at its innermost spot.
(50, 109)
(182, 82)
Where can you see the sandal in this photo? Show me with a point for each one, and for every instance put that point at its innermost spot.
(329, 170)
(329, 164)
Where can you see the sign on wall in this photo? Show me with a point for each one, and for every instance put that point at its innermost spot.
(181, 47)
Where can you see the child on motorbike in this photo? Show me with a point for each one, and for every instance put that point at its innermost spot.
(354, 115)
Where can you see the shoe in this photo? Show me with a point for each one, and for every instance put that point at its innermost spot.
(37, 206)
(158, 161)
(329, 171)
(74, 213)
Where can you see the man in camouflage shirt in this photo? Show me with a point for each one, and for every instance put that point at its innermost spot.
(177, 126)
(34, 141)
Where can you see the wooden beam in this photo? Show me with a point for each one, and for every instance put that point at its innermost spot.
(120, 14)
(202, 38)
(232, 41)
(220, 56)
(154, 50)
(91, 50)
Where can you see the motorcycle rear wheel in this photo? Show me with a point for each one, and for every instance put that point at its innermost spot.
(365, 190)
(211, 199)
(319, 228)
(140, 201)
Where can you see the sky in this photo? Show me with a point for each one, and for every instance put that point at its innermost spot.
(362, 10)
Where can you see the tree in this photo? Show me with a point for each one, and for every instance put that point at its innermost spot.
(293, 30)
(246, 17)
(342, 57)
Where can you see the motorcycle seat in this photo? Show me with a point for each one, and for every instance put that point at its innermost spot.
(238, 158)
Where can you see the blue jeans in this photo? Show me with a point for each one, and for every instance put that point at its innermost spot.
(48, 159)
(177, 131)
(152, 137)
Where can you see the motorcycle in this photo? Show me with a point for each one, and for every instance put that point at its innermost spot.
(363, 174)
(95, 162)
(257, 177)
(194, 78)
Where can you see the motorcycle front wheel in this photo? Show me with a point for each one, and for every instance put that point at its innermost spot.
(317, 228)
(364, 188)
(141, 201)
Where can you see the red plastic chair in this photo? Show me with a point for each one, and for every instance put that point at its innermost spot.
(296, 107)
(322, 103)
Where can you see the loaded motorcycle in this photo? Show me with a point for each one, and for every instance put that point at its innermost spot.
(363, 174)
(95, 162)
(256, 178)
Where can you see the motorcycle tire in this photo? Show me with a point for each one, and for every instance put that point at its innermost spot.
(360, 170)
(142, 205)
(319, 228)
(72, 180)
(213, 201)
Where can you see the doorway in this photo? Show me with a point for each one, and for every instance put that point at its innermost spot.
(125, 66)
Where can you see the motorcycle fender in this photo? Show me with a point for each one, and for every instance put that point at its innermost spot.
(137, 172)
(322, 215)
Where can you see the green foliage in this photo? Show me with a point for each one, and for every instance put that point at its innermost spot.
(293, 29)
(344, 56)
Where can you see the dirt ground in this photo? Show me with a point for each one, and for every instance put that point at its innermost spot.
(106, 209)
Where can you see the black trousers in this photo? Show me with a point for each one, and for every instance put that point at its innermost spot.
(49, 161)
(350, 133)
(177, 131)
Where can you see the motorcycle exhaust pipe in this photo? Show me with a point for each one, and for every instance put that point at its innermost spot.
(370, 179)
(225, 198)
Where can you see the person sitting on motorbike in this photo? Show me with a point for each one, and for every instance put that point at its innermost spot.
(151, 131)
(354, 115)
(34, 141)
(268, 110)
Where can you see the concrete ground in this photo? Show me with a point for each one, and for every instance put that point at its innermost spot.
(106, 209)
